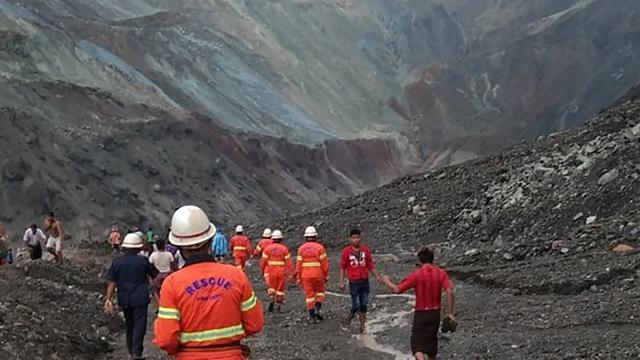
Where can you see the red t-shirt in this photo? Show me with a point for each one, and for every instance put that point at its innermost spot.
(356, 262)
(429, 281)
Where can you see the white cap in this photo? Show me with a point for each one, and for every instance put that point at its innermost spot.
(277, 235)
(266, 233)
(190, 226)
(310, 232)
(132, 241)
(239, 229)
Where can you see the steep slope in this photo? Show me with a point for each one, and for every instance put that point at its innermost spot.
(118, 161)
(302, 102)
(577, 190)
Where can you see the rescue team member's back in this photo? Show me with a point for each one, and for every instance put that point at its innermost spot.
(206, 308)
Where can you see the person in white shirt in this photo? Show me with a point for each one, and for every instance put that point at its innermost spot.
(33, 238)
(164, 261)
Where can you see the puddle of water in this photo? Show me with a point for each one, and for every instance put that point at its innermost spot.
(381, 321)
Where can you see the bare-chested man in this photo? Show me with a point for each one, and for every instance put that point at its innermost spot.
(56, 236)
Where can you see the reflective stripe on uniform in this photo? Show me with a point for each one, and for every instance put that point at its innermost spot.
(168, 313)
(265, 256)
(249, 303)
(281, 293)
(319, 295)
(276, 263)
(211, 335)
(239, 248)
(310, 300)
(287, 257)
(323, 256)
(299, 258)
(311, 264)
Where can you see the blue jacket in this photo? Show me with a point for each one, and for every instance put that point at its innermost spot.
(220, 245)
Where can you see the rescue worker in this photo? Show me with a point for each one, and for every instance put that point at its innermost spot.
(220, 246)
(355, 263)
(206, 308)
(115, 238)
(240, 246)
(429, 281)
(276, 267)
(265, 241)
(312, 271)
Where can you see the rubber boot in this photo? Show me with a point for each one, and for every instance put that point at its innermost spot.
(363, 320)
(319, 316)
(271, 305)
(346, 324)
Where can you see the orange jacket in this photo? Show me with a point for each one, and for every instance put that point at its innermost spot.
(240, 245)
(262, 244)
(276, 258)
(312, 262)
(206, 304)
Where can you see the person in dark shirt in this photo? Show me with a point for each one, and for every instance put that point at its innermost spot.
(130, 274)
(429, 281)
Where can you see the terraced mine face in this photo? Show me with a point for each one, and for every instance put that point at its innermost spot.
(424, 83)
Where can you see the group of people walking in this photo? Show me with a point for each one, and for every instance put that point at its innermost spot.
(208, 307)
(51, 236)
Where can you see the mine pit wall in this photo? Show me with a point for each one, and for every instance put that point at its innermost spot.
(108, 161)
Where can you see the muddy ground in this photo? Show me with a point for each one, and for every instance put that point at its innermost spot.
(52, 312)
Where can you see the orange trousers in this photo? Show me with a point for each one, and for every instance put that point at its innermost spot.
(313, 291)
(240, 260)
(275, 285)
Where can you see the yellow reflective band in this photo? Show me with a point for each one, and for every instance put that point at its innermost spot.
(276, 263)
(299, 258)
(168, 313)
(249, 303)
(212, 335)
(271, 291)
(287, 257)
(265, 256)
(311, 264)
(319, 294)
(238, 248)
(259, 248)
(310, 300)
(323, 256)
(280, 293)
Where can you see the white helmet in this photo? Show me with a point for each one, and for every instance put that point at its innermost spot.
(310, 232)
(190, 226)
(132, 241)
(239, 229)
(277, 235)
(266, 233)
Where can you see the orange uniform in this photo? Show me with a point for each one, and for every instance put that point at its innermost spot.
(312, 269)
(275, 265)
(241, 249)
(205, 310)
(262, 244)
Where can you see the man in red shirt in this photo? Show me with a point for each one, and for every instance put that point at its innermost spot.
(428, 281)
(356, 262)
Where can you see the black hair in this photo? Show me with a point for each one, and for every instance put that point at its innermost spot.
(355, 231)
(160, 245)
(425, 255)
(51, 214)
(33, 226)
